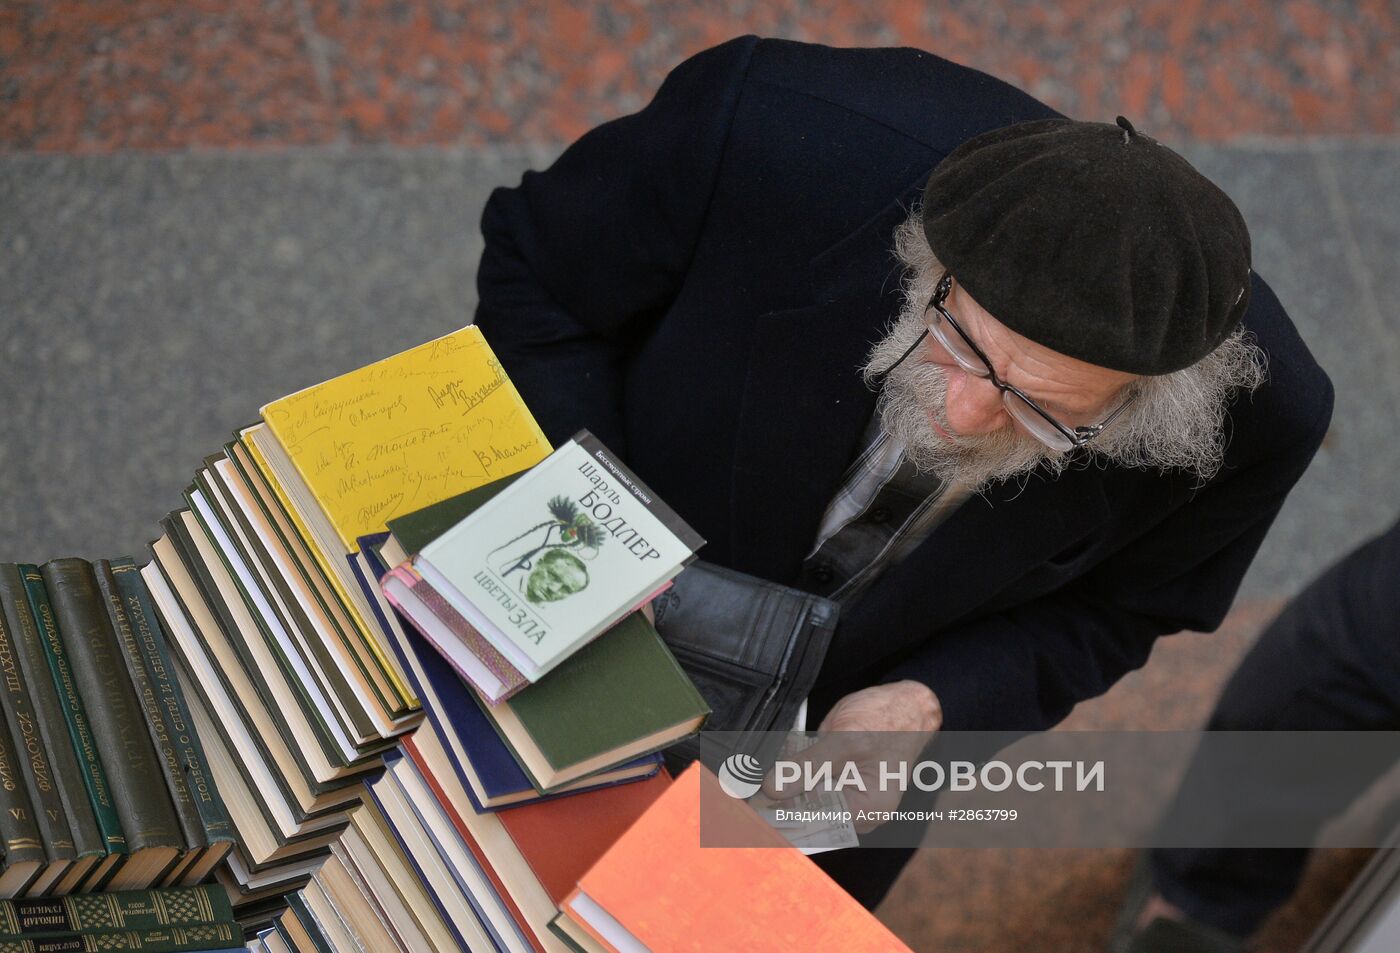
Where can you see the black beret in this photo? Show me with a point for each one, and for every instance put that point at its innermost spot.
(1093, 240)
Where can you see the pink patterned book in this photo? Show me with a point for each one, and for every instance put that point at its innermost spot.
(455, 639)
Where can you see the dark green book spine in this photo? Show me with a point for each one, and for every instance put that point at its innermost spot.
(19, 834)
(140, 610)
(123, 742)
(49, 811)
(206, 936)
(28, 645)
(160, 732)
(124, 910)
(75, 713)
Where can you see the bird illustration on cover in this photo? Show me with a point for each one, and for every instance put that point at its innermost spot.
(549, 557)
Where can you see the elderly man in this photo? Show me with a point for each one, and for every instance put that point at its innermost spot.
(1012, 415)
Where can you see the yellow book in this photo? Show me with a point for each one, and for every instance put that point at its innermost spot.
(390, 438)
(406, 432)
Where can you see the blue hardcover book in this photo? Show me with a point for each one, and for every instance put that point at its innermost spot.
(488, 771)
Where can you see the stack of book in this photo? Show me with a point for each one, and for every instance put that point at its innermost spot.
(618, 869)
(559, 556)
(291, 678)
(355, 777)
(104, 782)
(180, 920)
(530, 584)
(466, 842)
(435, 859)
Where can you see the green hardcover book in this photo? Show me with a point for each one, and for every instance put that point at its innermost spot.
(50, 813)
(28, 643)
(213, 814)
(24, 853)
(621, 696)
(124, 910)
(201, 937)
(572, 935)
(99, 791)
(161, 734)
(148, 819)
(412, 531)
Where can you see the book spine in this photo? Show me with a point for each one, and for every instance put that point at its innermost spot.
(452, 809)
(219, 488)
(18, 707)
(28, 644)
(301, 910)
(209, 936)
(75, 713)
(19, 834)
(213, 814)
(156, 725)
(125, 910)
(123, 741)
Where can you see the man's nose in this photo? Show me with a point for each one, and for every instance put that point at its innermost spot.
(974, 405)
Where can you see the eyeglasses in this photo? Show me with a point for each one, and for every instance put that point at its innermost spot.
(1025, 411)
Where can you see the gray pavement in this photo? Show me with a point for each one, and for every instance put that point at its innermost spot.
(151, 304)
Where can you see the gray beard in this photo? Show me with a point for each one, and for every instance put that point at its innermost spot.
(917, 389)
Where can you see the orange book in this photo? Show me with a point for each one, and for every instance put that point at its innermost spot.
(658, 889)
(588, 823)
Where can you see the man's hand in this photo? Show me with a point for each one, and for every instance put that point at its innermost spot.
(899, 706)
(883, 723)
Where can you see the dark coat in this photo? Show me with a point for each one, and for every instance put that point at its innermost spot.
(698, 284)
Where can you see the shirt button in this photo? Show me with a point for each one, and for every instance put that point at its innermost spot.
(822, 573)
(880, 515)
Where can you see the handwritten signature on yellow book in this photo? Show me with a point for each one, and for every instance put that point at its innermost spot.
(406, 432)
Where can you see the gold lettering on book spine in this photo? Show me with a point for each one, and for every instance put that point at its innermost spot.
(143, 688)
(24, 718)
(73, 700)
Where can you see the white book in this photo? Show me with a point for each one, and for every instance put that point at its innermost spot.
(559, 556)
